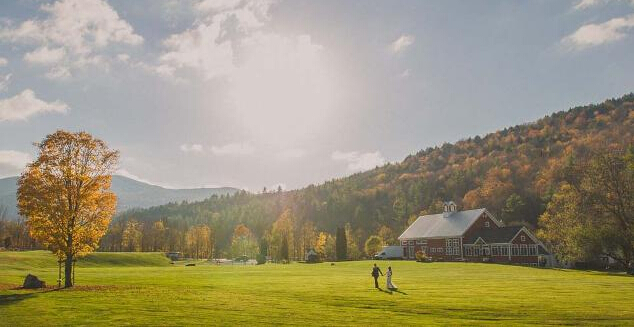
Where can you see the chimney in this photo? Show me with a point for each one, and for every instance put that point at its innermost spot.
(449, 208)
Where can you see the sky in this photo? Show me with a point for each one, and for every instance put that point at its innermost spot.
(253, 94)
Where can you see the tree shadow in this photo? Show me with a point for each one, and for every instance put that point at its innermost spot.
(6, 300)
(9, 299)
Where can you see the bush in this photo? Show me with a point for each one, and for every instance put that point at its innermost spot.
(260, 259)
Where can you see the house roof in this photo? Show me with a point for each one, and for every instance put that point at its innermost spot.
(436, 225)
(491, 236)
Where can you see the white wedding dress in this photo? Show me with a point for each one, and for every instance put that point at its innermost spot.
(389, 283)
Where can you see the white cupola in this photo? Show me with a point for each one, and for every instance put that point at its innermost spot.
(448, 208)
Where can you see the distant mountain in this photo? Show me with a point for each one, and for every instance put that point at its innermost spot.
(130, 193)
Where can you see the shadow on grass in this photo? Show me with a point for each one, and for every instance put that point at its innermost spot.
(391, 291)
(9, 299)
(14, 298)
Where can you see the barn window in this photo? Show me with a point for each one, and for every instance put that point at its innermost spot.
(486, 224)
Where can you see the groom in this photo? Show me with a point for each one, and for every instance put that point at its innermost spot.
(375, 274)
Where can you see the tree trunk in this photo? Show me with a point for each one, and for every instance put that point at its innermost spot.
(68, 271)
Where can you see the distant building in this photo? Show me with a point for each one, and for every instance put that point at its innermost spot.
(472, 235)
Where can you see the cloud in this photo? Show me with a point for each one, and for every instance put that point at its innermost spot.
(291, 154)
(592, 35)
(24, 105)
(197, 48)
(358, 161)
(3, 61)
(209, 44)
(45, 56)
(195, 148)
(233, 149)
(14, 159)
(207, 6)
(59, 73)
(279, 85)
(74, 34)
(123, 57)
(4, 82)
(405, 74)
(402, 43)
(585, 4)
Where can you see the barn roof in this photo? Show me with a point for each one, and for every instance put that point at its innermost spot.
(436, 225)
(491, 236)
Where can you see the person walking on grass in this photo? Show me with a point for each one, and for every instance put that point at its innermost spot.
(375, 274)
(388, 284)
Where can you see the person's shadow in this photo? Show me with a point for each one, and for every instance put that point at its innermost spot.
(391, 291)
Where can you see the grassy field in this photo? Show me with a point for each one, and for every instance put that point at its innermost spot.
(144, 289)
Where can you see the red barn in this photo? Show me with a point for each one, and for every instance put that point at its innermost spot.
(472, 235)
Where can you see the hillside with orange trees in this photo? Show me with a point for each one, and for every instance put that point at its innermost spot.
(512, 172)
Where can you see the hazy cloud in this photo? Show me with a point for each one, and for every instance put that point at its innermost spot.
(123, 57)
(402, 43)
(207, 6)
(26, 104)
(291, 154)
(4, 82)
(12, 162)
(58, 73)
(278, 85)
(187, 148)
(585, 4)
(3, 61)
(358, 161)
(74, 32)
(591, 35)
(45, 56)
(233, 149)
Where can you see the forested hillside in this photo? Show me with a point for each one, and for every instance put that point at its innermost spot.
(512, 172)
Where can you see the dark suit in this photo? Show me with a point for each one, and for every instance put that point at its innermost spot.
(375, 274)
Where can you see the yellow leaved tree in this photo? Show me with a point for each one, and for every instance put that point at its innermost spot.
(65, 194)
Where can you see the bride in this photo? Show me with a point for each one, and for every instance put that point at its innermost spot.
(389, 283)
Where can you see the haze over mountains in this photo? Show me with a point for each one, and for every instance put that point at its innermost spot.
(131, 194)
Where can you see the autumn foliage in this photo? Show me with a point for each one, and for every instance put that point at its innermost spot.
(65, 194)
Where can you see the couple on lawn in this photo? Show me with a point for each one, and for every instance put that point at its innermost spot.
(388, 284)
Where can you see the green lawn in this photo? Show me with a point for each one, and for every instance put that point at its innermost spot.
(144, 289)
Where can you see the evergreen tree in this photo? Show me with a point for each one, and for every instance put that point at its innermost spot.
(341, 245)
(284, 249)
